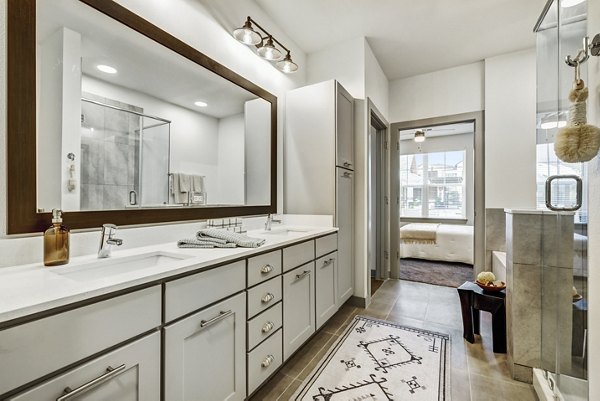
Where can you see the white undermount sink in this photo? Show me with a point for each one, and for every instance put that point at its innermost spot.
(112, 266)
(284, 231)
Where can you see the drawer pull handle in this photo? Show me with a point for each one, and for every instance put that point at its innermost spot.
(222, 315)
(266, 269)
(268, 327)
(327, 262)
(110, 373)
(268, 297)
(267, 361)
(302, 275)
(346, 164)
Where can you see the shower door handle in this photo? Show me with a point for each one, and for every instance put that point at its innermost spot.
(579, 201)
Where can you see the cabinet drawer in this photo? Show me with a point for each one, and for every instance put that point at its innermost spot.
(263, 267)
(34, 349)
(296, 255)
(134, 375)
(264, 325)
(264, 360)
(325, 245)
(264, 296)
(194, 292)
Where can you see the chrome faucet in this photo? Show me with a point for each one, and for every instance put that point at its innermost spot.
(107, 240)
(269, 221)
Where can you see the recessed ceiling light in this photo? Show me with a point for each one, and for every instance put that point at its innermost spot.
(106, 69)
(201, 104)
(570, 3)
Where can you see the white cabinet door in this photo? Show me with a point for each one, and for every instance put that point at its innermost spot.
(298, 307)
(130, 373)
(344, 218)
(205, 354)
(344, 121)
(325, 294)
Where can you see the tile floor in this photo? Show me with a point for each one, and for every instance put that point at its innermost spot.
(477, 373)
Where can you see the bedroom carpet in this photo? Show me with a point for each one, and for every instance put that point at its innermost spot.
(449, 274)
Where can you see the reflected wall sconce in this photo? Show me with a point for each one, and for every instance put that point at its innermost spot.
(265, 45)
(419, 136)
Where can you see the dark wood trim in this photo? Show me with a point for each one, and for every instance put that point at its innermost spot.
(22, 216)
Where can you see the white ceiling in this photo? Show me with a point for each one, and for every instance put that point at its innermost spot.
(411, 37)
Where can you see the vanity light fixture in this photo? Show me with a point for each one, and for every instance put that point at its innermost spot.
(266, 45)
(106, 69)
(419, 136)
(200, 103)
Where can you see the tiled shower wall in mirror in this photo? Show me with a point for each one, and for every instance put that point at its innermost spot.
(109, 153)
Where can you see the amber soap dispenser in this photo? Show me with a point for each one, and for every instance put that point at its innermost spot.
(56, 241)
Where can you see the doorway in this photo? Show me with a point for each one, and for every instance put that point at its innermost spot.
(378, 199)
(435, 195)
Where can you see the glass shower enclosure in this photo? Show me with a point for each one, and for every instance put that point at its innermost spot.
(124, 156)
(562, 196)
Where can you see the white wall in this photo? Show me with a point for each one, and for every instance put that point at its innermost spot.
(448, 143)
(231, 185)
(344, 62)
(510, 134)
(594, 214)
(200, 27)
(377, 85)
(440, 93)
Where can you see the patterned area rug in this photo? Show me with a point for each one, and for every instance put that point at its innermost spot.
(449, 274)
(382, 361)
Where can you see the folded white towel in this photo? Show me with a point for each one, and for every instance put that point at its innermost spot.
(204, 243)
(239, 239)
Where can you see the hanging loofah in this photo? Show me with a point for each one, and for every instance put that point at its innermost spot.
(578, 141)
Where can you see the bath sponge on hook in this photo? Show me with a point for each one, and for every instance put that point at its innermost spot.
(578, 141)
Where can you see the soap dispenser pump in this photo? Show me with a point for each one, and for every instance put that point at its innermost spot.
(56, 241)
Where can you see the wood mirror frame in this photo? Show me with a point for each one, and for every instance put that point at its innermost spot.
(22, 215)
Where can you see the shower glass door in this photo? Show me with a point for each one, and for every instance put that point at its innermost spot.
(562, 197)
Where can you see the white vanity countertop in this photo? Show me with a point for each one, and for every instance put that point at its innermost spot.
(29, 289)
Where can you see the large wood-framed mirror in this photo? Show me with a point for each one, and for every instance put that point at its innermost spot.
(112, 119)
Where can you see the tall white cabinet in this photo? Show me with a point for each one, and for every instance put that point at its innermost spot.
(319, 165)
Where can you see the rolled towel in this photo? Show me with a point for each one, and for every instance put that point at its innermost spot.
(204, 243)
(238, 239)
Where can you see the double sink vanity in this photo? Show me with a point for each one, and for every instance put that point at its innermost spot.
(166, 323)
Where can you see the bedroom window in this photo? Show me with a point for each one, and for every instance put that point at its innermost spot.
(433, 185)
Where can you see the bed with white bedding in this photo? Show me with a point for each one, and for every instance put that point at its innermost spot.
(452, 243)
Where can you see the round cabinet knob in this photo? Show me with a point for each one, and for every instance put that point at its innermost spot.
(267, 361)
(266, 269)
(268, 297)
(268, 327)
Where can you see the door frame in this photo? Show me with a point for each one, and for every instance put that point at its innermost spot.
(478, 119)
(377, 121)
